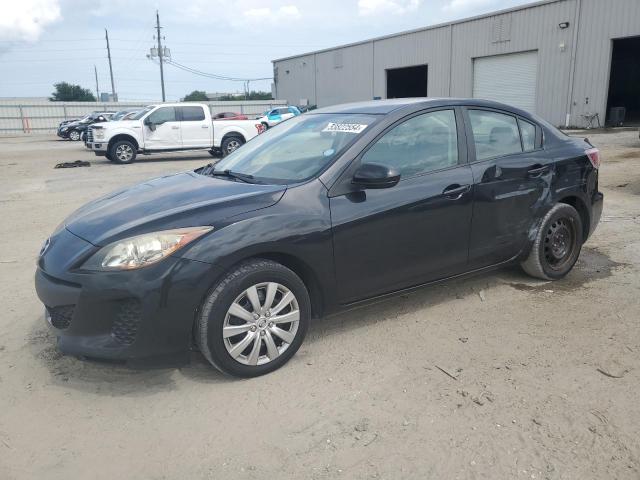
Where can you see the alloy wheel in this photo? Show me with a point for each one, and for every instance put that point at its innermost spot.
(232, 146)
(261, 323)
(124, 153)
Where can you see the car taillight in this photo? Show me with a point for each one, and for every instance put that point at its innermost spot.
(594, 156)
(260, 128)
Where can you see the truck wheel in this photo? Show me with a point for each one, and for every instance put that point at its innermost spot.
(231, 144)
(122, 152)
(557, 245)
(74, 135)
(254, 320)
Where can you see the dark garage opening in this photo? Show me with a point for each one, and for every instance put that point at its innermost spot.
(407, 82)
(624, 82)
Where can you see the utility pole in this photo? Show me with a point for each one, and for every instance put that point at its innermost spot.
(160, 53)
(113, 88)
(95, 70)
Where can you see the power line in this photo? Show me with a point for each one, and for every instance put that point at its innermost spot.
(214, 75)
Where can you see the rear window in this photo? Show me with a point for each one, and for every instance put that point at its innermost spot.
(192, 114)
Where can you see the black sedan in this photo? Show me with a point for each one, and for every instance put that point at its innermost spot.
(331, 209)
(77, 130)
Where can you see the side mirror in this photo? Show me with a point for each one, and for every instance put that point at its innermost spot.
(374, 175)
(149, 124)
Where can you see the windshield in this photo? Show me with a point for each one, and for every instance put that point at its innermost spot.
(297, 149)
(142, 113)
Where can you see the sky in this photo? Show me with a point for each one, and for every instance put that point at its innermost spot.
(46, 41)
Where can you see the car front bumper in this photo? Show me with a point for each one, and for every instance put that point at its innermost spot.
(139, 316)
(97, 147)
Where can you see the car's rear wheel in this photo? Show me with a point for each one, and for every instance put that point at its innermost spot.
(265, 125)
(74, 135)
(557, 245)
(231, 144)
(254, 320)
(122, 152)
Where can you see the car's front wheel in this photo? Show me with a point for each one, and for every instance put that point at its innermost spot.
(122, 152)
(74, 135)
(557, 245)
(254, 320)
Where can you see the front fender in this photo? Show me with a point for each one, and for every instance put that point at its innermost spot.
(135, 133)
(292, 228)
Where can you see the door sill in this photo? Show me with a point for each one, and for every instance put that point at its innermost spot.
(384, 296)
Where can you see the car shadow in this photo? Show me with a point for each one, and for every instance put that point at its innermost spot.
(118, 379)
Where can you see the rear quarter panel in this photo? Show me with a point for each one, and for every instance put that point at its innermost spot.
(246, 128)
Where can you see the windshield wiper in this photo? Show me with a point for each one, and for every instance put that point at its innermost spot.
(243, 177)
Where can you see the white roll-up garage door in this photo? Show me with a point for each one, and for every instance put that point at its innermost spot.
(510, 79)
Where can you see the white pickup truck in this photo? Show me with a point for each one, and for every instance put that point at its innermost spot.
(169, 127)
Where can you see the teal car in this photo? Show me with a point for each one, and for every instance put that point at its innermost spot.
(277, 115)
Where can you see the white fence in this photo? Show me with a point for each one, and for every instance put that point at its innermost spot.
(44, 117)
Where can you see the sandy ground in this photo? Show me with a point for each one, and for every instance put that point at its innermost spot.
(544, 377)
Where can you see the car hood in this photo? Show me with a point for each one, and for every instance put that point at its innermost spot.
(119, 124)
(174, 201)
(73, 124)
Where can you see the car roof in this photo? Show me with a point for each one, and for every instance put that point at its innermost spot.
(383, 107)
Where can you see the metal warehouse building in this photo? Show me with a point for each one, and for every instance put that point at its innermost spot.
(565, 60)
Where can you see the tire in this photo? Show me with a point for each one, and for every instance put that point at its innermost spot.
(108, 157)
(74, 135)
(265, 125)
(231, 144)
(230, 296)
(557, 245)
(122, 152)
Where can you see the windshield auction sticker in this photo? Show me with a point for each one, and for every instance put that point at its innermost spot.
(345, 127)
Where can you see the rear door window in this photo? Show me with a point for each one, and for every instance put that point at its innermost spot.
(494, 134)
(192, 114)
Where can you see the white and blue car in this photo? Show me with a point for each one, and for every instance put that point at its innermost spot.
(277, 115)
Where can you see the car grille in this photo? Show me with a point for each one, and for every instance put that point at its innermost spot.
(125, 327)
(60, 317)
(90, 135)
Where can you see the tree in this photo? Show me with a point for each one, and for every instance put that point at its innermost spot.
(196, 96)
(253, 95)
(67, 92)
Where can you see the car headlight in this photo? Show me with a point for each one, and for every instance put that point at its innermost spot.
(98, 134)
(64, 129)
(143, 250)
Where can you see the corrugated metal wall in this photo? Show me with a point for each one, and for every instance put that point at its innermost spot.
(566, 75)
(44, 117)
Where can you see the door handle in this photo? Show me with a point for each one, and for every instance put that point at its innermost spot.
(537, 170)
(174, 127)
(204, 126)
(455, 191)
